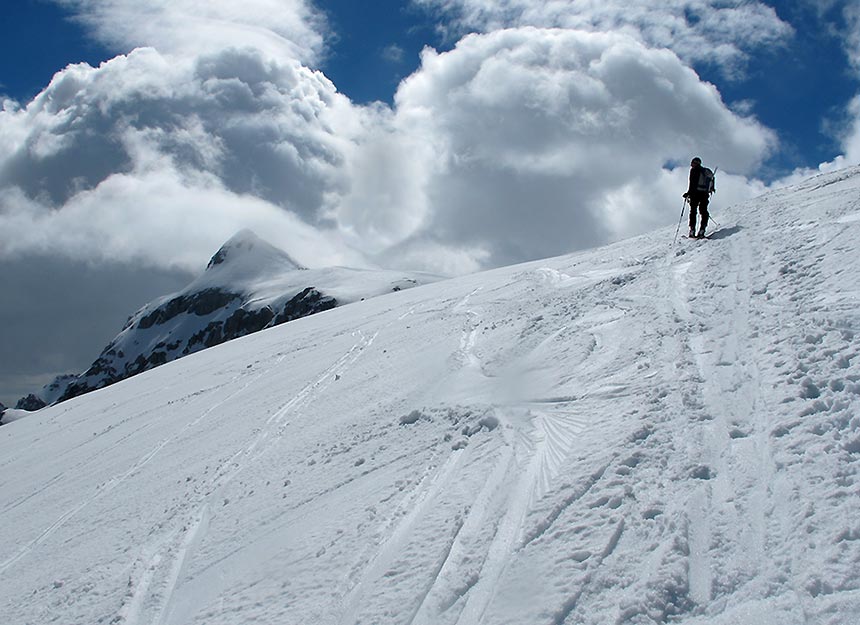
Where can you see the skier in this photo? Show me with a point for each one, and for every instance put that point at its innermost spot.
(699, 193)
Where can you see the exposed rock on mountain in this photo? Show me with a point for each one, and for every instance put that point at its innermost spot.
(31, 402)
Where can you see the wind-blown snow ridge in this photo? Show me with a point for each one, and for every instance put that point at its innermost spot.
(637, 434)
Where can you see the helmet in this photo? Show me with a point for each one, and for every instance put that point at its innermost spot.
(696, 161)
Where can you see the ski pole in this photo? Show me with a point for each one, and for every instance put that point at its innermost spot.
(680, 219)
(716, 223)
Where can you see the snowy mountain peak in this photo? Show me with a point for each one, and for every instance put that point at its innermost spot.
(249, 285)
(247, 249)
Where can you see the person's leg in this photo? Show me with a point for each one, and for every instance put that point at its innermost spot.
(694, 205)
(703, 210)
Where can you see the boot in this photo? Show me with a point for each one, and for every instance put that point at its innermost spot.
(692, 234)
(701, 234)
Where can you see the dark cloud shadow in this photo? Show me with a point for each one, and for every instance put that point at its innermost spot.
(57, 315)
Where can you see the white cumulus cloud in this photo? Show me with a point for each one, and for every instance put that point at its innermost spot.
(292, 28)
(148, 145)
(536, 141)
(718, 32)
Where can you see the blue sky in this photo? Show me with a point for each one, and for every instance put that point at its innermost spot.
(38, 38)
(800, 90)
(377, 44)
(530, 128)
(44, 37)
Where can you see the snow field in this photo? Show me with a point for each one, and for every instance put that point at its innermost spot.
(637, 434)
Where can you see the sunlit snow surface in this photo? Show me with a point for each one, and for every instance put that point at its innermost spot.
(643, 433)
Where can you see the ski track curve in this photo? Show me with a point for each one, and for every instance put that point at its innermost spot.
(539, 436)
(535, 459)
(410, 511)
(168, 561)
(112, 483)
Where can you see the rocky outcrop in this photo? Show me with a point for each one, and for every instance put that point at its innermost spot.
(308, 302)
(48, 393)
(30, 403)
(243, 322)
(113, 365)
(201, 304)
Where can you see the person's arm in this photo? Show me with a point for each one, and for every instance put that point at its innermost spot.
(694, 178)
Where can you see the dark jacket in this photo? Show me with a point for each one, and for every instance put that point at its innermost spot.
(695, 170)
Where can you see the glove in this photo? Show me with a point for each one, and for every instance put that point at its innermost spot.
(686, 196)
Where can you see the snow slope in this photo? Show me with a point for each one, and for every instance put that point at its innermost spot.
(636, 434)
(8, 415)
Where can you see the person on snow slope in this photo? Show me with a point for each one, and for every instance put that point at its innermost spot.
(699, 193)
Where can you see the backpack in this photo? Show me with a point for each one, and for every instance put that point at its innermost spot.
(706, 180)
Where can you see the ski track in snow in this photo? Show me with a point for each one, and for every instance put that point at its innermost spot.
(115, 481)
(412, 508)
(542, 453)
(538, 438)
(182, 545)
(723, 380)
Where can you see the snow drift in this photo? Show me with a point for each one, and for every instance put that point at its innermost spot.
(636, 434)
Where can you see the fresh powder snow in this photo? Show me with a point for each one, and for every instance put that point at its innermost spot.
(642, 433)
